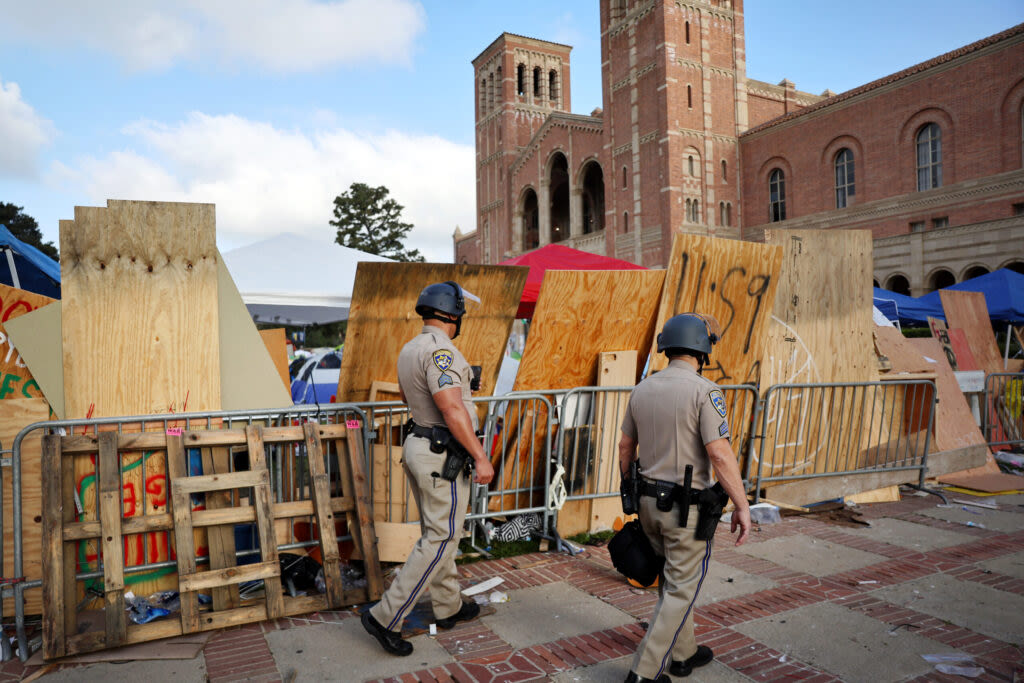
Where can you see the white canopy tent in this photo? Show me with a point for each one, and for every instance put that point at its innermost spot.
(290, 279)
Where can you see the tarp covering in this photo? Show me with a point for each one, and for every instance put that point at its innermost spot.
(1003, 290)
(33, 270)
(289, 279)
(905, 309)
(558, 257)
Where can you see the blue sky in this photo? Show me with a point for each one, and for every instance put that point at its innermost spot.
(270, 108)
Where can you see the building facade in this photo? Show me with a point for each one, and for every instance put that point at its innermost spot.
(929, 159)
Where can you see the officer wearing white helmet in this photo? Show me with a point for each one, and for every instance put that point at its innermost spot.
(434, 379)
(675, 428)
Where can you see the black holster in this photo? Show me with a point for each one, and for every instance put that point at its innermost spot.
(629, 489)
(710, 504)
(457, 461)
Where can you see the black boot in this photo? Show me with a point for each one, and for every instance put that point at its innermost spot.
(634, 678)
(468, 611)
(682, 669)
(389, 640)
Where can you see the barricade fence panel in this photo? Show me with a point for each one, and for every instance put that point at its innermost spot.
(823, 430)
(1003, 410)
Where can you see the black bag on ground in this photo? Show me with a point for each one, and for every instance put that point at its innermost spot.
(633, 556)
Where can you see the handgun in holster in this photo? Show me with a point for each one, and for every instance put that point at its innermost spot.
(457, 458)
(629, 489)
(710, 504)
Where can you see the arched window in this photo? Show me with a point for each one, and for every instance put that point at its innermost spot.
(844, 178)
(687, 33)
(521, 79)
(625, 221)
(483, 95)
(929, 157)
(695, 208)
(689, 97)
(687, 211)
(728, 214)
(536, 81)
(553, 85)
(725, 175)
(490, 90)
(721, 213)
(623, 177)
(689, 166)
(499, 87)
(777, 196)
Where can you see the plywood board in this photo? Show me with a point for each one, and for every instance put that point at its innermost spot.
(37, 334)
(139, 309)
(275, 342)
(822, 309)
(382, 319)
(15, 415)
(962, 350)
(941, 333)
(733, 281)
(904, 358)
(954, 424)
(249, 379)
(888, 494)
(16, 382)
(969, 312)
(989, 483)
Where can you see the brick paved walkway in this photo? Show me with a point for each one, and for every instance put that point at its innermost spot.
(479, 654)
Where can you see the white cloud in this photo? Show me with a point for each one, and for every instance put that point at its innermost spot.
(279, 35)
(265, 180)
(23, 133)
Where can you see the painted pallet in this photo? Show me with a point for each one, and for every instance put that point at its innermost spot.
(382, 319)
(62, 532)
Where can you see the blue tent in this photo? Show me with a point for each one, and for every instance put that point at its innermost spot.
(25, 267)
(1003, 290)
(904, 308)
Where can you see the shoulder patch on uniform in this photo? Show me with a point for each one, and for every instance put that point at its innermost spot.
(718, 401)
(723, 429)
(445, 378)
(443, 359)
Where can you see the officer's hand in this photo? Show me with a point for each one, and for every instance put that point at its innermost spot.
(741, 519)
(484, 472)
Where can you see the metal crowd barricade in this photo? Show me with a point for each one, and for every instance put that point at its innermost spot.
(289, 477)
(824, 430)
(1003, 410)
(590, 419)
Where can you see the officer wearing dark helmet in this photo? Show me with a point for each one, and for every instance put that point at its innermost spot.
(434, 380)
(676, 427)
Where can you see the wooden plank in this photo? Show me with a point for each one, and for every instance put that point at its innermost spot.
(362, 519)
(954, 423)
(18, 382)
(733, 281)
(969, 312)
(382, 319)
(54, 599)
(264, 519)
(15, 415)
(275, 341)
(218, 482)
(146, 524)
(141, 441)
(149, 271)
(888, 494)
(905, 359)
(70, 564)
(221, 538)
(330, 559)
(112, 541)
(184, 545)
(384, 391)
(986, 482)
(395, 540)
(229, 576)
(821, 331)
(392, 500)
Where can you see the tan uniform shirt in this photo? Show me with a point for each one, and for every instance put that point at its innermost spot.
(430, 363)
(671, 415)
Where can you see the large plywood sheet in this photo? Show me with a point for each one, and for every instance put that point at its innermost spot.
(15, 415)
(276, 343)
(954, 424)
(733, 281)
(139, 309)
(383, 318)
(969, 312)
(16, 382)
(582, 313)
(822, 313)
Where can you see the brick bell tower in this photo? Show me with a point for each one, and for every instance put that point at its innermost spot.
(674, 80)
(518, 81)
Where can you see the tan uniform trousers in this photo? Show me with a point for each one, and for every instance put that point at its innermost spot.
(670, 634)
(431, 564)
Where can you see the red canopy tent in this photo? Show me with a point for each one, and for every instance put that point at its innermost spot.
(558, 257)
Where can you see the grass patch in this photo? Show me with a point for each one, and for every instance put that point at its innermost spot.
(497, 550)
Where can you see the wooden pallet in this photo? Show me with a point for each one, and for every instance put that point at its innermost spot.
(61, 636)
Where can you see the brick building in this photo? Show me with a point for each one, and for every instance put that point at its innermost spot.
(930, 158)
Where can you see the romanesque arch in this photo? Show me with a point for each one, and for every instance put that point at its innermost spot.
(591, 182)
(558, 192)
(530, 219)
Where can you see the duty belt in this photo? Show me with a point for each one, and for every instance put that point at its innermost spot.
(650, 487)
(418, 430)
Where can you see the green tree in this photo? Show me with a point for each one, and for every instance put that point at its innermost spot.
(368, 220)
(25, 228)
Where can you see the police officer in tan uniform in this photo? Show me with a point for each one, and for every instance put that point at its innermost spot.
(434, 380)
(677, 418)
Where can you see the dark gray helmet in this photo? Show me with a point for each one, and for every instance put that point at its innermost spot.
(444, 297)
(687, 332)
